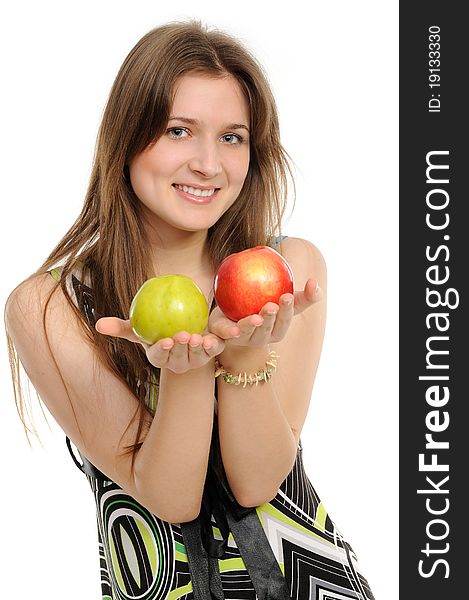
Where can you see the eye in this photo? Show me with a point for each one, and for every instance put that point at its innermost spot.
(232, 138)
(177, 132)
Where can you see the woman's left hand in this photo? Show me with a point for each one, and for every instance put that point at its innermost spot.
(272, 322)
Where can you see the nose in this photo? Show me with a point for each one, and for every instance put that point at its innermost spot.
(206, 160)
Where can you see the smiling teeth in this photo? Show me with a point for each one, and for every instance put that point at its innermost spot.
(195, 191)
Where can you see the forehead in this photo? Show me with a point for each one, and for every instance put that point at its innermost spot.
(210, 98)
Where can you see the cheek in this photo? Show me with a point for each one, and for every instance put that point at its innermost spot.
(135, 176)
(239, 168)
(149, 169)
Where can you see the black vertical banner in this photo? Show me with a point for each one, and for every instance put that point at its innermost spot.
(434, 259)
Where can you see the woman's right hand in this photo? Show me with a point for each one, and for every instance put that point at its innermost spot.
(179, 354)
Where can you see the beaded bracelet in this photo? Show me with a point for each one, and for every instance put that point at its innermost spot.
(264, 374)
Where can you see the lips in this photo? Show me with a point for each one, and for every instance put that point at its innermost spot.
(195, 191)
(196, 195)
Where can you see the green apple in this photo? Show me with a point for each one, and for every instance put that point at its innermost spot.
(167, 304)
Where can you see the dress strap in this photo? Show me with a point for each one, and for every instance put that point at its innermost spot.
(278, 239)
(85, 467)
(72, 454)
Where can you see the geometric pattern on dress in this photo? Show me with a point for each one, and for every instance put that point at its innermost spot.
(314, 576)
(126, 528)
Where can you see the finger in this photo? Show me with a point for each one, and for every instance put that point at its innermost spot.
(116, 328)
(158, 354)
(284, 317)
(247, 326)
(311, 295)
(196, 341)
(213, 345)
(196, 349)
(262, 334)
(180, 351)
(225, 329)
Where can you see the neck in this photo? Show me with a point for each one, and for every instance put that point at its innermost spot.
(180, 251)
(185, 255)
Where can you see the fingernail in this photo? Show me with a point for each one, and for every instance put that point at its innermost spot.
(288, 301)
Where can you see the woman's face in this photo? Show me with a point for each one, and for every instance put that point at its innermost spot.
(196, 169)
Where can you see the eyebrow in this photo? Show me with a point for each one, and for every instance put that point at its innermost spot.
(197, 122)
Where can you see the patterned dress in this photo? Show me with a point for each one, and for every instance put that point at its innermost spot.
(286, 549)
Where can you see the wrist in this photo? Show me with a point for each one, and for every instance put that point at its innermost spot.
(206, 368)
(237, 354)
(243, 357)
(248, 367)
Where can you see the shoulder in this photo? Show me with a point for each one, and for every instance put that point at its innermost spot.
(34, 292)
(295, 246)
(30, 295)
(41, 325)
(305, 259)
(29, 303)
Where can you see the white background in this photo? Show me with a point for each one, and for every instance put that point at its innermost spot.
(333, 69)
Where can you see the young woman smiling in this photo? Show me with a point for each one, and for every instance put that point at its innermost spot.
(199, 485)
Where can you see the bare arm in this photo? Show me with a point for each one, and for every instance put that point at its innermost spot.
(171, 464)
(260, 426)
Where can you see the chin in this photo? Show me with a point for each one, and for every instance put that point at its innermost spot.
(199, 222)
(195, 225)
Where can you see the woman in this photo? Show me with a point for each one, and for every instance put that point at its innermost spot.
(199, 484)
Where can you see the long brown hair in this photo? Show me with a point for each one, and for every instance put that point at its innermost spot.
(108, 239)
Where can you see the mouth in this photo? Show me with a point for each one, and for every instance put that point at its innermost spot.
(199, 194)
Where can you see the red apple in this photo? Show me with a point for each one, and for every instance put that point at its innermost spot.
(247, 280)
